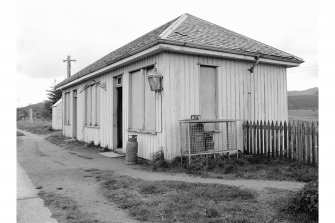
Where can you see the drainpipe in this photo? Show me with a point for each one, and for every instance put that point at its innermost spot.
(251, 69)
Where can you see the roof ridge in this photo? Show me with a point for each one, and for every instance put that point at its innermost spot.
(173, 26)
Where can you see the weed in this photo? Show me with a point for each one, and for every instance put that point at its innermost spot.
(307, 200)
(158, 160)
(19, 134)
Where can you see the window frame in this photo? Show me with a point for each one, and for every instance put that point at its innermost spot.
(91, 104)
(216, 86)
(145, 82)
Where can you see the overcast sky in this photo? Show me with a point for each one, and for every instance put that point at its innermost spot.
(48, 31)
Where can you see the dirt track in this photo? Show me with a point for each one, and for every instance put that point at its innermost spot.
(53, 167)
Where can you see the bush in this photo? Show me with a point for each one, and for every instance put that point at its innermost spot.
(307, 200)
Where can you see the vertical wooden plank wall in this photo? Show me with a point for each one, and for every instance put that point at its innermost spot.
(241, 95)
(267, 101)
(103, 135)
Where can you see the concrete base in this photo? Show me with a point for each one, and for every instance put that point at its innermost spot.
(112, 154)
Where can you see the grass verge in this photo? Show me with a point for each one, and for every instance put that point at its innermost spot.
(174, 201)
(247, 167)
(306, 201)
(59, 139)
(65, 209)
(37, 127)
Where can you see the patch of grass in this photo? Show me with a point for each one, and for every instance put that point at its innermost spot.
(19, 134)
(307, 201)
(172, 201)
(248, 167)
(37, 127)
(283, 202)
(59, 139)
(65, 209)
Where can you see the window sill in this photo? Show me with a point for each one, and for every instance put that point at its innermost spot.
(92, 126)
(152, 132)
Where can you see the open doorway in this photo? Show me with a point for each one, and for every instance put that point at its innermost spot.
(74, 135)
(118, 139)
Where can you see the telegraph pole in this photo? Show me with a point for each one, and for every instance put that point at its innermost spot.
(68, 60)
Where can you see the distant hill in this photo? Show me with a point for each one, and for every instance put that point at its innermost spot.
(39, 111)
(311, 91)
(303, 100)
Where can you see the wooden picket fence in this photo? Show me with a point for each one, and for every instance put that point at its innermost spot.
(295, 140)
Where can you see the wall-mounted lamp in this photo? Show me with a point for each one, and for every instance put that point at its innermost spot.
(155, 81)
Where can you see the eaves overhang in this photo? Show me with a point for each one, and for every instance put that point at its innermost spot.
(187, 48)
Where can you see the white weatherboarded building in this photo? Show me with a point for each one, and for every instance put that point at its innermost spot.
(205, 70)
(57, 115)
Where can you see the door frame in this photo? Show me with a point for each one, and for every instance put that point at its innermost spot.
(217, 116)
(117, 85)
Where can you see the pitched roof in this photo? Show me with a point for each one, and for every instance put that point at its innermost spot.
(188, 29)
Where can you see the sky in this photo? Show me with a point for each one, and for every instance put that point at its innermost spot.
(48, 31)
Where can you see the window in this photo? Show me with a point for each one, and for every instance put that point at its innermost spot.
(67, 108)
(92, 105)
(142, 101)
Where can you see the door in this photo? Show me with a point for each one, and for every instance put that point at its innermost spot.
(119, 117)
(208, 95)
(208, 101)
(74, 135)
(117, 113)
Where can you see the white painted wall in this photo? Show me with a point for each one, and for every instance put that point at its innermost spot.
(267, 99)
(180, 99)
(57, 115)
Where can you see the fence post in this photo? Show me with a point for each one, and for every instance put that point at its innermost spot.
(290, 141)
(227, 130)
(285, 141)
(251, 138)
(255, 138)
(265, 139)
(273, 139)
(304, 141)
(308, 144)
(300, 142)
(277, 141)
(245, 137)
(281, 140)
(317, 143)
(296, 155)
(258, 138)
(248, 137)
(261, 135)
(269, 138)
(313, 144)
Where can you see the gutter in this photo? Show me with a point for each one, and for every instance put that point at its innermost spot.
(237, 52)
